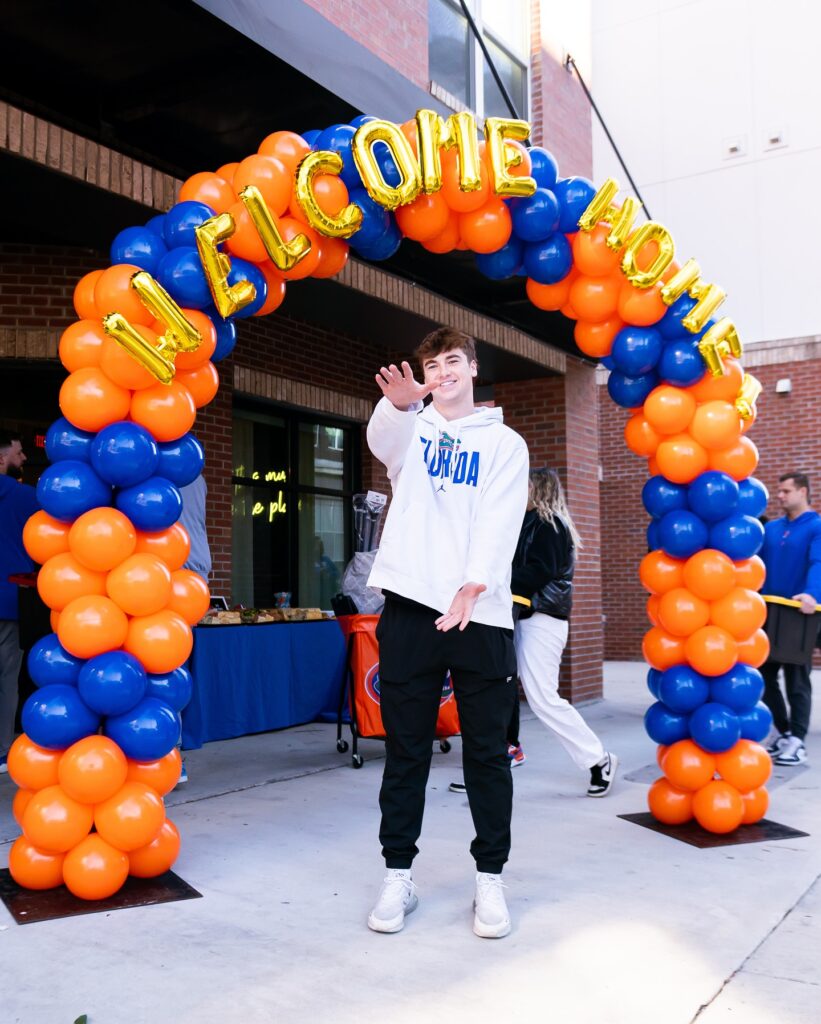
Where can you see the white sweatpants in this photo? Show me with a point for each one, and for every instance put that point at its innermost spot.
(540, 641)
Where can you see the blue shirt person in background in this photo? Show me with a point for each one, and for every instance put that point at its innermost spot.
(18, 502)
(792, 555)
(193, 519)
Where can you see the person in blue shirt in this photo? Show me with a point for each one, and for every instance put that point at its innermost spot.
(18, 502)
(792, 556)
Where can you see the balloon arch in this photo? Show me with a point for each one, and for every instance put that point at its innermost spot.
(98, 751)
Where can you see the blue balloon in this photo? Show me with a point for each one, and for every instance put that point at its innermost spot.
(502, 263)
(153, 505)
(752, 497)
(244, 270)
(683, 689)
(339, 139)
(536, 217)
(181, 461)
(375, 219)
(714, 727)
(653, 539)
(756, 723)
(147, 732)
(387, 165)
(360, 119)
(174, 688)
(65, 441)
(112, 683)
(713, 496)
(682, 533)
(630, 392)
(311, 136)
(156, 225)
(740, 689)
(68, 489)
(543, 167)
(124, 454)
(607, 363)
(670, 324)
(660, 496)
(56, 716)
(636, 350)
(739, 537)
(574, 195)
(665, 726)
(653, 680)
(549, 261)
(49, 662)
(226, 334)
(383, 248)
(180, 273)
(681, 363)
(182, 221)
(140, 246)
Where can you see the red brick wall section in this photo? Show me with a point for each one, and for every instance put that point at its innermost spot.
(37, 283)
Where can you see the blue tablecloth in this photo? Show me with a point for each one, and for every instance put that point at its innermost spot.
(255, 678)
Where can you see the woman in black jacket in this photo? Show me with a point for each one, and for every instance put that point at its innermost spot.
(543, 576)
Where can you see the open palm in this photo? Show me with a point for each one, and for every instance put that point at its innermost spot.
(399, 386)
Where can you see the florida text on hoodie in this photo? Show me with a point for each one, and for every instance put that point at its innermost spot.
(459, 495)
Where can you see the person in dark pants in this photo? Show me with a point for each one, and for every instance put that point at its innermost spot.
(459, 478)
(792, 556)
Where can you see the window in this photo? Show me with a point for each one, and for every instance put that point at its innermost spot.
(458, 69)
(293, 480)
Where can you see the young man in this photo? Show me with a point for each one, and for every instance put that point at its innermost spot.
(792, 555)
(459, 480)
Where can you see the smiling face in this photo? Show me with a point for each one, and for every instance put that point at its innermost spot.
(453, 373)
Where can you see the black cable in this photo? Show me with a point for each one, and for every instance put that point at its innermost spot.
(511, 106)
(569, 62)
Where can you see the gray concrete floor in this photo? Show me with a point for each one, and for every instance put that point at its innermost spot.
(612, 922)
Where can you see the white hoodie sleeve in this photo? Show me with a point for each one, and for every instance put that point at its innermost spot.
(390, 432)
(498, 519)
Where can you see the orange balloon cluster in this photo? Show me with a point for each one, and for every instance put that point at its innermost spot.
(63, 795)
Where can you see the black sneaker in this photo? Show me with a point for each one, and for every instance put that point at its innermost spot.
(791, 753)
(603, 775)
(458, 787)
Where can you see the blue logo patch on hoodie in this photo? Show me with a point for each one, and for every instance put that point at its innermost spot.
(461, 468)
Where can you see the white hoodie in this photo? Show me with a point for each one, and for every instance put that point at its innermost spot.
(459, 497)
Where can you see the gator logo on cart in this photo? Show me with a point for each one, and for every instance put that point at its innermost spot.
(372, 685)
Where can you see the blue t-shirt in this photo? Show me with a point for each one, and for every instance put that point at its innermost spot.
(17, 503)
(792, 555)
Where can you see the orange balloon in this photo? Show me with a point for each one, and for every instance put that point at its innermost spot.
(668, 804)
(91, 400)
(141, 585)
(659, 572)
(686, 766)
(591, 254)
(334, 256)
(34, 869)
(54, 822)
(131, 818)
(102, 538)
(165, 410)
(424, 218)
(712, 651)
(156, 858)
(92, 769)
(488, 228)
(548, 296)
(447, 240)
(652, 607)
(653, 466)
(91, 625)
(270, 176)
(718, 807)
(203, 382)
(81, 344)
(210, 189)
(227, 171)
(32, 766)
(289, 229)
(123, 368)
(94, 869)
(162, 641)
(716, 425)
(63, 578)
(411, 132)
(662, 650)
(741, 612)
(113, 294)
(276, 285)
(746, 766)
(682, 613)
(20, 803)
(45, 537)
(755, 803)
(288, 147)
(681, 459)
(462, 202)
(709, 574)
(84, 295)
(595, 299)
(641, 306)
(190, 596)
(749, 573)
(568, 311)
(724, 388)
(171, 545)
(739, 461)
(640, 436)
(245, 241)
(54, 620)
(669, 410)
(596, 340)
(755, 649)
(208, 332)
(331, 197)
(162, 775)
(661, 750)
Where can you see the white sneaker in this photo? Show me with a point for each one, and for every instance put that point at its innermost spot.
(776, 742)
(603, 775)
(792, 752)
(491, 919)
(397, 897)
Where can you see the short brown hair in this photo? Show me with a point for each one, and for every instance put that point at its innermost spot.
(445, 339)
(798, 479)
